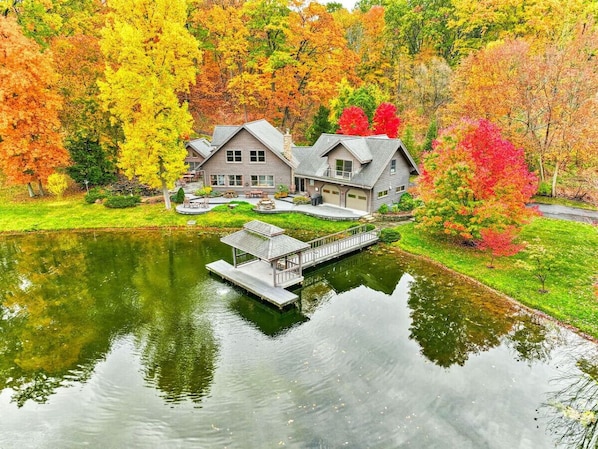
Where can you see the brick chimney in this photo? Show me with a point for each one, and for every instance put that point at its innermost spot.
(287, 143)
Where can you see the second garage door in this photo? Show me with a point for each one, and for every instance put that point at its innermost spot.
(357, 199)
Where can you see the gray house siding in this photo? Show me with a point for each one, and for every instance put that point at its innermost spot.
(272, 170)
(390, 182)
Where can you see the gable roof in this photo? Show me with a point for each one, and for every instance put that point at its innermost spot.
(264, 241)
(356, 145)
(201, 146)
(263, 131)
(379, 149)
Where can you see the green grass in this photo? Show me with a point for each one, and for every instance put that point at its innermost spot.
(73, 213)
(572, 285)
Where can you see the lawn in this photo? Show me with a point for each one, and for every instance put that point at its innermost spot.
(572, 282)
(45, 214)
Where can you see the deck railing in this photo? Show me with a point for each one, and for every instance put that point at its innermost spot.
(361, 229)
(342, 174)
(333, 245)
(283, 277)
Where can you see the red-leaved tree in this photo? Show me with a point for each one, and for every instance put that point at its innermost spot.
(386, 120)
(354, 122)
(499, 243)
(474, 179)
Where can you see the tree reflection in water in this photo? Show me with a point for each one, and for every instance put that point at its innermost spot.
(453, 319)
(67, 297)
(573, 408)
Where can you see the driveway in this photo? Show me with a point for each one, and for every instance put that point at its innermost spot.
(567, 213)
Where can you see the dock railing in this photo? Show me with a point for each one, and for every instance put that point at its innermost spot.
(288, 276)
(356, 230)
(334, 245)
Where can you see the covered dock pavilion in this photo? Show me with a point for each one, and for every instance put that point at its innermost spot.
(265, 251)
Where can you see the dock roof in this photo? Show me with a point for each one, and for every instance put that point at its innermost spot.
(264, 241)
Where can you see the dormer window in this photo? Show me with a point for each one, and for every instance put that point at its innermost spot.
(344, 169)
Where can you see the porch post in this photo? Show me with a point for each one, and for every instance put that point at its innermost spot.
(274, 271)
(234, 257)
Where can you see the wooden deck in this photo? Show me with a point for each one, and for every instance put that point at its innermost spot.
(274, 295)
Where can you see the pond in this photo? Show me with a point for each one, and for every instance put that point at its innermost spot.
(122, 339)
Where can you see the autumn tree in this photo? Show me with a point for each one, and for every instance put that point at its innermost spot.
(386, 120)
(150, 60)
(354, 122)
(90, 136)
(472, 180)
(30, 141)
(544, 96)
(499, 243)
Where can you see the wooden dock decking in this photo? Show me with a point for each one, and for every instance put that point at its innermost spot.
(260, 278)
(275, 295)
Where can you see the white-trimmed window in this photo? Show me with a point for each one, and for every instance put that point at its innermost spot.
(344, 169)
(257, 156)
(262, 180)
(382, 193)
(217, 180)
(235, 180)
(393, 166)
(400, 189)
(233, 156)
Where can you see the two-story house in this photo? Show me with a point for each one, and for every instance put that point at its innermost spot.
(355, 172)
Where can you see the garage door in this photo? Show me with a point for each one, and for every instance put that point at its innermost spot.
(357, 199)
(331, 195)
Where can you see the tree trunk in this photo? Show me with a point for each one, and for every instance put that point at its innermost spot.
(30, 190)
(166, 194)
(541, 166)
(554, 178)
(41, 187)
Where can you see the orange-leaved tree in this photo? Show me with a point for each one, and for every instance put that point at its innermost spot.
(30, 143)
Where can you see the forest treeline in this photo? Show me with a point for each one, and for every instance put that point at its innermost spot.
(529, 66)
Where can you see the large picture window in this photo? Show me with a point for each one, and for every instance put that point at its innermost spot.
(257, 156)
(262, 180)
(233, 156)
(235, 180)
(217, 180)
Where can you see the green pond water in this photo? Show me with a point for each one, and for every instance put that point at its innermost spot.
(122, 339)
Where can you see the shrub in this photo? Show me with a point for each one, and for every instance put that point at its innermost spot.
(179, 197)
(204, 191)
(122, 201)
(301, 200)
(57, 184)
(97, 193)
(390, 235)
(383, 209)
(544, 189)
(407, 203)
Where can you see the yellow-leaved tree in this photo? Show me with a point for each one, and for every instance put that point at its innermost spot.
(150, 60)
